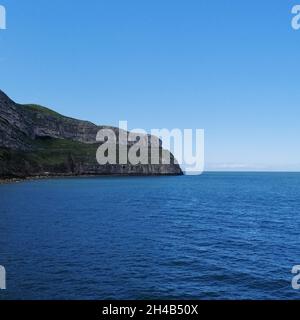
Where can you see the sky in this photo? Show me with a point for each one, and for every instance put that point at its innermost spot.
(228, 67)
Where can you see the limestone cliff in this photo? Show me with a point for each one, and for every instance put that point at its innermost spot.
(37, 141)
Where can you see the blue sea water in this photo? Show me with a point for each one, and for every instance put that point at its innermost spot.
(214, 236)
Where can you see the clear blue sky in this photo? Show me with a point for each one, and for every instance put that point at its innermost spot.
(230, 67)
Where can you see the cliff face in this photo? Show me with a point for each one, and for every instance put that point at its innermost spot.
(36, 141)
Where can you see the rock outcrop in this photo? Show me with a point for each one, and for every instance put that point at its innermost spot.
(37, 141)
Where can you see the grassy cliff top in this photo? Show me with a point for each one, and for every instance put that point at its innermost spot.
(41, 109)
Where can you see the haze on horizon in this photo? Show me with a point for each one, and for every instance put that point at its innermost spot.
(231, 69)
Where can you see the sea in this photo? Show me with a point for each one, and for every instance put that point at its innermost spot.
(217, 236)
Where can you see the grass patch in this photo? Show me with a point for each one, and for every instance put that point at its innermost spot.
(44, 110)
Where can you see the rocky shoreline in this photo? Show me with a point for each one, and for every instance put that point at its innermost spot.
(67, 176)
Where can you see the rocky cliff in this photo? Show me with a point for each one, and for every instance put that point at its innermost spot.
(37, 141)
